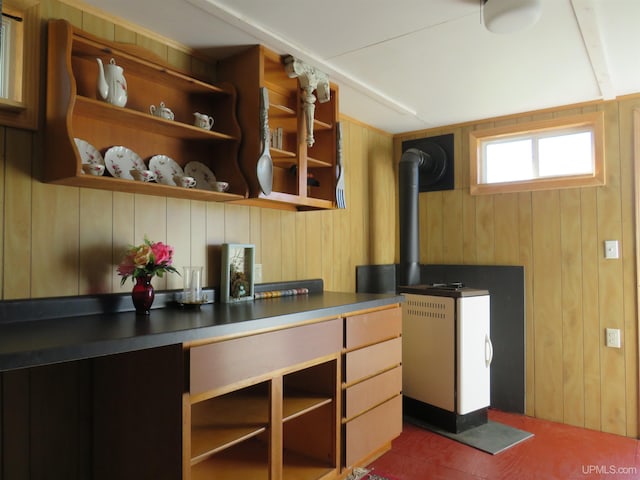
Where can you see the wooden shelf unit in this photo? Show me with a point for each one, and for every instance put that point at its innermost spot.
(283, 423)
(259, 67)
(74, 111)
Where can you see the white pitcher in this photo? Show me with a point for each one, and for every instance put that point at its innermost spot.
(112, 86)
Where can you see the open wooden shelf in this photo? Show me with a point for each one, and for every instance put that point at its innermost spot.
(74, 111)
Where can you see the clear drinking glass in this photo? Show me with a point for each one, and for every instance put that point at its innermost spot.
(192, 277)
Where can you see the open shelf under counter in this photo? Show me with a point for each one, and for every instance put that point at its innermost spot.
(299, 403)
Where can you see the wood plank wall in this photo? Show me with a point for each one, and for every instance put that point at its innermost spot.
(572, 292)
(64, 241)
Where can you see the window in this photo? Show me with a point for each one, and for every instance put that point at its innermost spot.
(19, 72)
(559, 153)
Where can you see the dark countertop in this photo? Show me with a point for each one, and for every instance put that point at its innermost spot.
(53, 340)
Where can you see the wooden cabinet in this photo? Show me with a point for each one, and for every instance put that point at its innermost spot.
(265, 406)
(372, 384)
(74, 111)
(293, 161)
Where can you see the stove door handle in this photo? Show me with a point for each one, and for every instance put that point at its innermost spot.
(488, 351)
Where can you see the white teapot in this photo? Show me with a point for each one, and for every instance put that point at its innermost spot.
(112, 85)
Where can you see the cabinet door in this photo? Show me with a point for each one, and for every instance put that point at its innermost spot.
(369, 432)
(372, 360)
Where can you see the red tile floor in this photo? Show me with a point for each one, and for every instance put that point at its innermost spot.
(556, 451)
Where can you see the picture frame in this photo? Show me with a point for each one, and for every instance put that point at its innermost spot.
(237, 279)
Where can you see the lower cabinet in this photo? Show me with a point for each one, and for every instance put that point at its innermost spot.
(372, 385)
(282, 422)
(309, 402)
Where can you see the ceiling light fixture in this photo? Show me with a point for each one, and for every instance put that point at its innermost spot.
(510, 16)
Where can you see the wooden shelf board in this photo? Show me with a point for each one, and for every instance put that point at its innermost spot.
(125, 116)
(281, 111)
(157, 189)
(206, 442)
(84, 46)
(316, 163)
(300, 467)
(242, 407)
(299, 404)
(248, 460)
(277, 153)
(320, 125)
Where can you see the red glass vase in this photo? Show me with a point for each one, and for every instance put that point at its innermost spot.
(143, 295)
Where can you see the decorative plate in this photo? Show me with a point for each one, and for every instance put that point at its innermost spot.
(201, 173)
(88, 152)
(119, 160)
(165, 168)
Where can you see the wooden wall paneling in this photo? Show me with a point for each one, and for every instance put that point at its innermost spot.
(302, 250)
(14, 443)
(2, 222)
(272, 246)
(359, 139)
(329, 252)
(506, 234)
(469, 247)
(150, 215)
(433, 241)
(17, 213)
(98, 26)
(485, 233)
(316, 249)
(379, 200)
(610, 276)
(198, 247)
(179, 236)
(525, 258)
(57, 9)
(290, 245)
(628, 150)
(55, 244)
(255, 226)
(572, 315)
(452, 239)
(123, 233)
(215, 213)
(547, 300)
(591, 252)
(237, 224)
(96, 241)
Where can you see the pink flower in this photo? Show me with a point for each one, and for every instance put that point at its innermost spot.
(163, 253)
(150, 258)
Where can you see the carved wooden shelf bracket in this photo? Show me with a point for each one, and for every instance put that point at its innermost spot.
(310, 79)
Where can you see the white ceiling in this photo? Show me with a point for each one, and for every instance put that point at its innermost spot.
(406, 65)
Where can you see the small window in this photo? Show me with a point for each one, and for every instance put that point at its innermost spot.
(19, 71)
(559, 153)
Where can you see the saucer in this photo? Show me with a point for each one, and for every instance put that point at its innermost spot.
(203, 175)
(88, 153)
(119, 160)
(165, 169)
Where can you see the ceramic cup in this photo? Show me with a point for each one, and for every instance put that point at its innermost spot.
(93, 169)
(161, 111)
(220, 186)
(203, 121)
(184, 181)
(143, 175)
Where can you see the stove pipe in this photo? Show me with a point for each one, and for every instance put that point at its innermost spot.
(411, 162)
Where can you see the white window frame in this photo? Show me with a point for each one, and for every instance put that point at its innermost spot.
(594, 122)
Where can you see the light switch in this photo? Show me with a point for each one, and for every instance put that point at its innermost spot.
(611, 249)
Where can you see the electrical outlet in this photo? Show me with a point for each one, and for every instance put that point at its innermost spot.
(613, 337)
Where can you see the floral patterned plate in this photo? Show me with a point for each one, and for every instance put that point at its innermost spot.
(203, 175)
(120, 160)
(165, 169)
(88, 152)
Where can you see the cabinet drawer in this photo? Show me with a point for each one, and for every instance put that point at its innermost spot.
(216, 365)
(369, 393)
(372, 327)
(371, 360)
(369, 432)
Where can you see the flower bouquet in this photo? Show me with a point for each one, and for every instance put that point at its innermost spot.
(142, 263)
